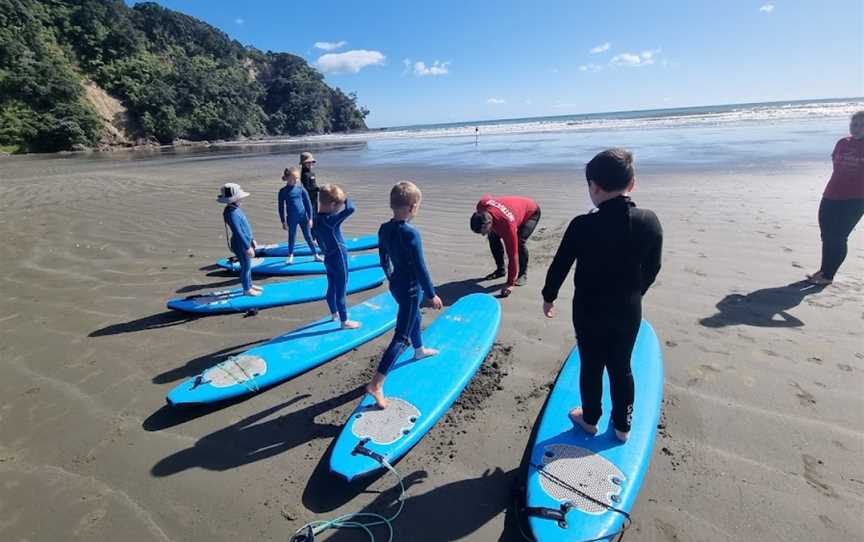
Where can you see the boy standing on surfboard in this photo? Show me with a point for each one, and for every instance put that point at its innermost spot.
(617, 254)
(242, 243)
(401, 251)
(333, 208)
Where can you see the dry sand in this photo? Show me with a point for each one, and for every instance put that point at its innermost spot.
(761, 436)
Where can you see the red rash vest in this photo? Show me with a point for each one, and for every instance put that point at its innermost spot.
(847, 180)
(508, 213)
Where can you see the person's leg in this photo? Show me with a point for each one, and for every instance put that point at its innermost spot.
(332, 279)
(621, 386)
(342, 294)
(497, 248)
(307, 235)
(416, 333)
(593, 350)
(245, 271)
(400, 341)
(524, 232)
(841, 217)
(292, 235)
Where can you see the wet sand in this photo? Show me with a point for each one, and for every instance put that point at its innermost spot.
(761, 437)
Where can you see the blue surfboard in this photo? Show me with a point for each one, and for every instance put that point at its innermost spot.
(420, 392)
(303, 265)
(611, 472)
(287, 355)
(365, 242)
(274, 295)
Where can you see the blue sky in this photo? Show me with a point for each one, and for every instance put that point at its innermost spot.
(415, 62)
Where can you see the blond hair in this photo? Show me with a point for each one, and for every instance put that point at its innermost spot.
(331, 193)
(291, 173)
(404, 194)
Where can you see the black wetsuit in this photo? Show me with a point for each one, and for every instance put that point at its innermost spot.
(307, 179)
(617, 253)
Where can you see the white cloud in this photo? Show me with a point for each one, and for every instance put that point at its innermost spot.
(436, 68)
(590, 68)
(349, 61)
(496, 101)
(635, 60)
(767, 8)
(330, 45)
(238, 20)
(602, 48)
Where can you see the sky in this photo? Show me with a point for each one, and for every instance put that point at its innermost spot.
(419, 62)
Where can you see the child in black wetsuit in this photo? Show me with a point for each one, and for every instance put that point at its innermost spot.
(617, 253)
(401, 252)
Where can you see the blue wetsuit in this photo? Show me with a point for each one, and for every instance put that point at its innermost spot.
(401, 251)
(241, 241)
(295, 209)
(328, 232)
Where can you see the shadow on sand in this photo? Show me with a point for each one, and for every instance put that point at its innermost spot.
(451, 292)
(155, 321)
(762, 308)
(214, 285)
(253, 439)
(198, 365)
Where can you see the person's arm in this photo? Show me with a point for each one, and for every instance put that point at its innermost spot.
(511, 245)
(344, 213)
(562, 263)
(651, 266)
(240, 229)
(280, 205)
(307, 204)
(415, 244)
(383, 257)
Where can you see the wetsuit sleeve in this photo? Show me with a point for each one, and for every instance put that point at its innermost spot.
(563, 262)
(240, 229)
(307, 204)
(344, 213)
(281, 199)
(415, 244)
(383, 256)
(511, 244)
(651, 265)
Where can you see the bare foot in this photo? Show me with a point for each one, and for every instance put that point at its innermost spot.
(377, 393)
(577, 419)
(350, 324)
(253, 293)
(423, 352)
(319, 258)
(256, 287)
(289, 260)
(622, 436)
(334, 317)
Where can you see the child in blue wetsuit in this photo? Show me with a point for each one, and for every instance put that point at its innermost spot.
(242, 243)
(295, 209)
(333, 208)
(401, 251)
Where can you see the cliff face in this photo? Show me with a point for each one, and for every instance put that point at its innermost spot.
(77, 73)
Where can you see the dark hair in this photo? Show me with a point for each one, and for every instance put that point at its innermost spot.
(611, 169)
(478, 220)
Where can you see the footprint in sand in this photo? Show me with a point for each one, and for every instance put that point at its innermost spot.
(812, 475)
(804, 397)
(845, 367)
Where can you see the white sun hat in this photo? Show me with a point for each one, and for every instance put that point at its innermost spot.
(231, 193)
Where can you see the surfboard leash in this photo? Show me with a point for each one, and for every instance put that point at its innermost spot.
(560, 515)
(307, 532)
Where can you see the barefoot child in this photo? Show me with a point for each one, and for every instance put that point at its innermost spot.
(401, 251)
(242, 244)
(295, 209)
(617, 254)
(333, 208)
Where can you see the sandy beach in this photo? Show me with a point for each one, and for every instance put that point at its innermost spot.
(761, 437)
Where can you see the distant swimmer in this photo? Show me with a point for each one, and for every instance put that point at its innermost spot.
(476, 134)
(511, 220)
(843, 200)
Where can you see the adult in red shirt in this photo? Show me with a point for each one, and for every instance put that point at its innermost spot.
(843, 200)
(507, 220)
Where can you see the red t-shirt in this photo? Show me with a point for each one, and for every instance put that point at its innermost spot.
(508, 213)
(847, 180)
